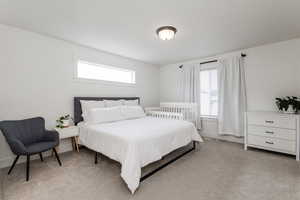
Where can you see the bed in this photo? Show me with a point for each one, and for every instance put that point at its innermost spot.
(135, 143)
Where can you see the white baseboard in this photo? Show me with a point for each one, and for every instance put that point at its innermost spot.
(225, 138)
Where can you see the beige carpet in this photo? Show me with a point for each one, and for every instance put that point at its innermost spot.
(217, 170)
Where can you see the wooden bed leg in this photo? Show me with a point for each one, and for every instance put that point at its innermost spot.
(194, 144)
(96, 157)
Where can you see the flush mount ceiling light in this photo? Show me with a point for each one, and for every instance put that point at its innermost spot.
(166, 32)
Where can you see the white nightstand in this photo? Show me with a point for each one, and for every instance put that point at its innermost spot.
(70, 132)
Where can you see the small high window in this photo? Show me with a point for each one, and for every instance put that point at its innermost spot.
(93, 71)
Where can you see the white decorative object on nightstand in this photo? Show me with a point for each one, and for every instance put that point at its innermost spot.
(70, 132)
(273, 131)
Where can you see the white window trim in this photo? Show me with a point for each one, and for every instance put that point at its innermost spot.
(205, 68)
(208, 66)
(102, 82)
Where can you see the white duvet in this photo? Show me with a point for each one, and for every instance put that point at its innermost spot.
(137, 142)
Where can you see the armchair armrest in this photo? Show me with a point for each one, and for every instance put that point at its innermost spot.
(17, 147)
(51, 136)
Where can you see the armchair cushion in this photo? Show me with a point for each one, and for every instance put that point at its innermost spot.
(51, 136)
(17, 147)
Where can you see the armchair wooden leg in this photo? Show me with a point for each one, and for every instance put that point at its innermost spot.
(57, 150)
(13, 165)
(41, 157)
(57, 157)
(27, 167)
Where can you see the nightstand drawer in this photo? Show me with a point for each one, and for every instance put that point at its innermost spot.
(68, 132)
(279, 133)
(272, 143)
(271, 120)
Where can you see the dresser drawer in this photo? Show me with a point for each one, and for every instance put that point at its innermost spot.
(287, 134)
(272, 120)
(272, 143)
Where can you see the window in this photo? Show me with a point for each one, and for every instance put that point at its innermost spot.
(92, 71)
(209, 91)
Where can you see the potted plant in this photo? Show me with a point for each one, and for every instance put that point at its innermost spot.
(289, 104)
(63, 121)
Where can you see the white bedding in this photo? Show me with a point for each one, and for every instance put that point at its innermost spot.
(137, 142)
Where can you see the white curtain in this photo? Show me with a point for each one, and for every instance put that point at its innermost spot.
(190, 90)
(232, 96)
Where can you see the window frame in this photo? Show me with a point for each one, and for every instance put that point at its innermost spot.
(207, 67)
(104, 82)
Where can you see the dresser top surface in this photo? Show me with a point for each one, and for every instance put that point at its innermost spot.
(272, 113)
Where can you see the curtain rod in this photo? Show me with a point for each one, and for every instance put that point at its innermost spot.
(212, 61)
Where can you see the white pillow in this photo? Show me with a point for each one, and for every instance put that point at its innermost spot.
(131, 112)
(86, 105)
(131, 102)
(113, 103)
(102, 115)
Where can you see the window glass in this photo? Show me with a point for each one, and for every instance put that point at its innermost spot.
(209, 92)
(86, 70)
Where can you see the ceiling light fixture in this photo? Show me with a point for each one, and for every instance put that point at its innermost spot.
(166, 32)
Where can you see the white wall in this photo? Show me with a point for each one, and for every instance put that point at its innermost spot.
(271, 70)
(37, 79)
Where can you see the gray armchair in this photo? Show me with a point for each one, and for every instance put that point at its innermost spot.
(28, 137)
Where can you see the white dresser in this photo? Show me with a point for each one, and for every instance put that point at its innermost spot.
(272, 131)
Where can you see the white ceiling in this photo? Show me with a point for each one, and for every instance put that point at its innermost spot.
(127, 27)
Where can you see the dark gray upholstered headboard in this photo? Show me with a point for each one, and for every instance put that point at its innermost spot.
(77, 106)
